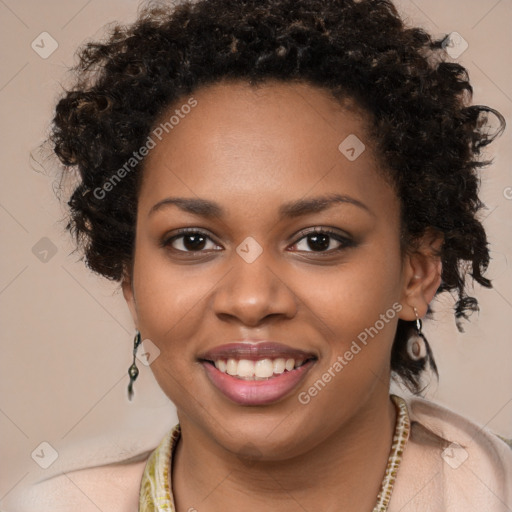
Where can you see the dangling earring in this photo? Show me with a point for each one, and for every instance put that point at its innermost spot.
(133, 371)
(416, 346)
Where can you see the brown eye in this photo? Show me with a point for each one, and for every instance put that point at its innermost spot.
(322, 240)
(190, 241)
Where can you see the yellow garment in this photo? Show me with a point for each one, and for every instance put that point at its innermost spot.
(155, 488)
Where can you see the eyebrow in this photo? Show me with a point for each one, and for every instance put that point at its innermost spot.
(292, 209)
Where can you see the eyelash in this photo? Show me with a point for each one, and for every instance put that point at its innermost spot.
(343, 240)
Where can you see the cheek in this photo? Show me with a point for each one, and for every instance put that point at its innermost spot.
(170, 302)
(169, 305)
(356, 293)
(357, 305)
(165, 292)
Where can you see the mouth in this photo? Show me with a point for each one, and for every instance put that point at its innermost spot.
(260, 369)
(256, 374)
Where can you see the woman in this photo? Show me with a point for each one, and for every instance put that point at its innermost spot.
(282, 187)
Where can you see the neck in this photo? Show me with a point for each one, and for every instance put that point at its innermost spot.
(343, 472)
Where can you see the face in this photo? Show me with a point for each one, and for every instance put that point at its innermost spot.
(260, 241)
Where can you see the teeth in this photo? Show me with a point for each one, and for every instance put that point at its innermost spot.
(257, 370)
(279, 365)
(232, 367)
(245, 368)
(263, 368)
(221, 365)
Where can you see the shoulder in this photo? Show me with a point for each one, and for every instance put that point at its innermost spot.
(112, 487)
(452, 463)
(484, 446)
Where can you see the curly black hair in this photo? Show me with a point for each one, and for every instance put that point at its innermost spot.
(427, 134)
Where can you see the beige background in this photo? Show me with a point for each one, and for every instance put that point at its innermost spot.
(67, 334)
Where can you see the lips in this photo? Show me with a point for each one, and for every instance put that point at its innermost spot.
(256, 373)
(254, 351)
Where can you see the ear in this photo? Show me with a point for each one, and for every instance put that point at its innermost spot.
(421, 275)
(129, 296)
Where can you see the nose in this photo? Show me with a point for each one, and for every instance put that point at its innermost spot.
(253, 293)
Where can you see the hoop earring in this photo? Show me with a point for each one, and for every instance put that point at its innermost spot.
(416, 346)
(133, 371)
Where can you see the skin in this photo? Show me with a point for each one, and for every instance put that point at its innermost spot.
(252, 150)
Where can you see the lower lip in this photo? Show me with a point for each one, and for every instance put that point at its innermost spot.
(256, 392)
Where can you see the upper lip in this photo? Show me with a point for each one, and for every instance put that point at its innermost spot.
(254, 351)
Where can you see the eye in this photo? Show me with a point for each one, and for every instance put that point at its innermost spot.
(190, 240)
(322, 240)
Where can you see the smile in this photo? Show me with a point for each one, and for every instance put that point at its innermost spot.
(262, 369)
(256, 374)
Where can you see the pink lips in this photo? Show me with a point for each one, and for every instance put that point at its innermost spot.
(256, 392)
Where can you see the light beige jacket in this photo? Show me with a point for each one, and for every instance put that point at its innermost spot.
(449, 465)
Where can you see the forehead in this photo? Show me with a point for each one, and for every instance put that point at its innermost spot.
(278, 138)
(230, 109)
